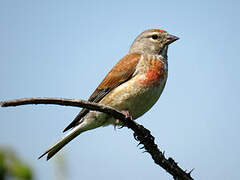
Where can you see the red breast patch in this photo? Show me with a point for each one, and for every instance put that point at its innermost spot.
(154, 73)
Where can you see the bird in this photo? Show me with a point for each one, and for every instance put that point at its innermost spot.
(132, 86)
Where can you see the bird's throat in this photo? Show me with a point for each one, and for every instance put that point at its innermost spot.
(163, 52)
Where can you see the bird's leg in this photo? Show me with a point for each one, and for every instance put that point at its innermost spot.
(127, 115)
(121, 124)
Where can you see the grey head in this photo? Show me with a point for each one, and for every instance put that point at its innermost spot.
(152, 41)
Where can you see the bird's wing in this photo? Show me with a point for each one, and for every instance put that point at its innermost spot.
(119, 74)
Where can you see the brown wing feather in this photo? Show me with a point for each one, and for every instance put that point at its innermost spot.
(119, 74)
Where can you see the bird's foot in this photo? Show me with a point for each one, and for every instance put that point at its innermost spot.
(120, 123)
(127, 115)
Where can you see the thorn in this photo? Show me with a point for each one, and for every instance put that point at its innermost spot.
(120, 127)
(139, 144)
(191, 171)
(135, 137)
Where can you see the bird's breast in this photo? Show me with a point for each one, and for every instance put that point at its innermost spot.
(155, 71)
(140, 93)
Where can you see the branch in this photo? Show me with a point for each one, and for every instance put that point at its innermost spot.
(141, 134)
(65, 102)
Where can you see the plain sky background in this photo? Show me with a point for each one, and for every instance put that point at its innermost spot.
(65, 48)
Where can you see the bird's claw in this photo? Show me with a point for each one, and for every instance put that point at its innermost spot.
(127, 115)
(118, 122)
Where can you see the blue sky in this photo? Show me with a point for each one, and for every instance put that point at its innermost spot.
(65, 48)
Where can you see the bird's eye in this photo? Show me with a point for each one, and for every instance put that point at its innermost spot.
(154, 36)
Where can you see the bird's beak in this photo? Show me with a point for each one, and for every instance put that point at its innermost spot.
(170, 38)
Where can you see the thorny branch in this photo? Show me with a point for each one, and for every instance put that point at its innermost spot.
(141, 134)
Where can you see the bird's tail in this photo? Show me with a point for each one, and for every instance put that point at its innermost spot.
(62, 142)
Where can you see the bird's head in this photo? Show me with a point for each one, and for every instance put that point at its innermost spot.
(152, 41)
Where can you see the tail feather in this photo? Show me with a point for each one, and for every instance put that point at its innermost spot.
(89, 122)
(61, 143)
